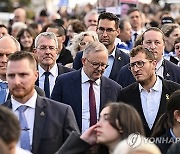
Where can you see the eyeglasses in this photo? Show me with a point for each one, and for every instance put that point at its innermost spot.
(97, 65)
(139, 64)
(108, 30)
(83, 43)
(43, 47)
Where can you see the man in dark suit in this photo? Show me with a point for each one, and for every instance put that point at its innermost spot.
(46, 50)
(153, 39)
(48, 123)
(73, 88)
(108, 30)
(150, 92)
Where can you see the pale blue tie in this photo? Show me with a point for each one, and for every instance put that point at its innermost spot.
(3, 87)
(24, 138)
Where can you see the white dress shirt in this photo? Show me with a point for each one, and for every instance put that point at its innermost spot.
(52, 77)
(85, 99)
(29, 113)
(150, 101)
(160, 68)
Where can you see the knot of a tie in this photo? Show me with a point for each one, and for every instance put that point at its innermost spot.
(47, 73)
(22, 108)
(91, 82)
(3, 85)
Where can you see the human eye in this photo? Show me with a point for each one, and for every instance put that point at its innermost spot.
(157, 42)
(11, 75)
(109, 30)
(140, 63)
(42, 47)
(101, 29)
(95, 64)
(1, 54)
(52, 48)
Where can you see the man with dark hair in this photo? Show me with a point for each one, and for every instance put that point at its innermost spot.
(108, 30)
(64, 55)
(3, 30)
(45, 123)
(150, 92)
(153, 39)
(10, 130)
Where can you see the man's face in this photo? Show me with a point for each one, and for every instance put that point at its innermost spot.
(107, 32)
(125, 34)
(145, 73)
(90, 63)
(21, 79)
(153, 40)
(135, 20)
(91, 20)
(175, 34)
(46, 52)
(3, 31)
(7, 47)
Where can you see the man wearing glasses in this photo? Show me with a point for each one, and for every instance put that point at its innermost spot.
(46, 50)
(153, 39)
(150, 92)
(86, 90)
(108, 30)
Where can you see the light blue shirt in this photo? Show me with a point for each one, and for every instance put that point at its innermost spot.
(111, 58)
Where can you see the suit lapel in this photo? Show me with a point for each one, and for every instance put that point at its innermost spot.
(39, 123)
(76, 91)
(166, 72)
(104, 93)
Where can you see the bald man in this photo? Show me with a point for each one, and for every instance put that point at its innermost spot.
(19, 15)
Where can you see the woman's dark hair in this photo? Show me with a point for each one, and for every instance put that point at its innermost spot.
(31, 33)
(166, 121)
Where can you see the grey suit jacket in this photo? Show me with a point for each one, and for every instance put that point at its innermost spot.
(53, 123)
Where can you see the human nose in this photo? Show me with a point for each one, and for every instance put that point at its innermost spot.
(16, 79)
(152, 45)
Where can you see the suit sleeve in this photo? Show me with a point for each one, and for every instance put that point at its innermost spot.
(73, 145)
(70, 123)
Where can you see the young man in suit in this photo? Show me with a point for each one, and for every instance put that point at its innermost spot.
(153, 39)
(74, 88)
(46, 51)
(48, 123)
(150, 92)
(108, 30)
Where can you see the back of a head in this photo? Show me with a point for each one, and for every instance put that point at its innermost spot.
(9, 126)
(140, 145)
(3, 148)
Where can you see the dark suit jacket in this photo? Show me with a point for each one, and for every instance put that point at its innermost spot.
(74, 145)
(171, 72)
(53, 123)
(68, 90)
(61, 69)
(131, 95)
(65, 56)
(120, 60)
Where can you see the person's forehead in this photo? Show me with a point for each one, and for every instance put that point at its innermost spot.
(45, 40)
(152, 34)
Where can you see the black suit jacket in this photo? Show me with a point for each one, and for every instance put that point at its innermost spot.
(65, 56)
(61, 70)
(68, 90)
(171, 72)
(53, 123)
(120, 60)
(131, 95)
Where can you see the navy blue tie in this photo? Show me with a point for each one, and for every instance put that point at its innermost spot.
(3, 87)
(24, 138)
(46, 84)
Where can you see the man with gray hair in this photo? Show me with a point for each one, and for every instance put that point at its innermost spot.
(86, 90)
(46, 51)
(91, 18)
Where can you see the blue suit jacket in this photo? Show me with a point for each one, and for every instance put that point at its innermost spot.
(131, 96)
(120, 60)
(171, 72)
(53, 123)
(68, 90)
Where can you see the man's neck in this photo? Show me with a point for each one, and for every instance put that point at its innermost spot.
(150, 83)
(47, 68)
(110, 49)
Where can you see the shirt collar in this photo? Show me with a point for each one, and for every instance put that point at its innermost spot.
(52, 70)
(113, 53)
(3, 81)
(30, 103)
(159, 64)
(155, 87)
(85, 78)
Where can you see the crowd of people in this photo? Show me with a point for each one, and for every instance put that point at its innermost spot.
(98, 84)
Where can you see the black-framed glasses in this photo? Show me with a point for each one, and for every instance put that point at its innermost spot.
(139, 64)
(96, 65)
(44, 47)
(108, 30)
